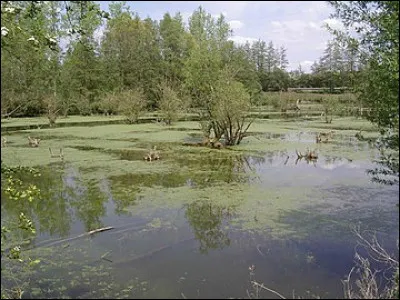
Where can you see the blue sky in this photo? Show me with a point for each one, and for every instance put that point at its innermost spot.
(297, 25)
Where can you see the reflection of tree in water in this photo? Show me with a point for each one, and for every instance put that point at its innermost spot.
(240, 165)
(273, 156)
(87, 200)
(106, 187)
(307, 160)
(50, 212)
(206, 220)
(61, 192)
(216, 167)
(236, 168)
(333, 159)
(123, 194)
(253, 160)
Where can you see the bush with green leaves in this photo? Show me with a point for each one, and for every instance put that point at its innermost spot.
(330, 106)
(229, 109)
(169, 103)
(131, 103)
(52, 107)
(108, 104)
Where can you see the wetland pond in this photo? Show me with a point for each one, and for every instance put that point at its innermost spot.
(191, 224)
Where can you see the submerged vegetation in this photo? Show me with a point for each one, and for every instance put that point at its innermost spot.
(166, 144)
(222, 192)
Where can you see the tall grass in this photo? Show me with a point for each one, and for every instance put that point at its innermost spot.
(345, 104)
(269, 98)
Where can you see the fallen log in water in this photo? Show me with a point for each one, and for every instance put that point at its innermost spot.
(140, 225)
(60, 241)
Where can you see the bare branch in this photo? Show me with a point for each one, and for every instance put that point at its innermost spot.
(376, 251)
(268, 289)
(10, 113)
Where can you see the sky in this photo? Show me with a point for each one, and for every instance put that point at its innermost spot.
(296, 25)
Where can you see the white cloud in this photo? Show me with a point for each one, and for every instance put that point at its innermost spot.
(224, 13)
(234, 24)
(314, 9)
(322, 45)
(295, 28)
(276, 24)
(241, 40)
(334, 24)
(233, 9)
(299, 27)
(315, 26)
(292, 32)
(305, 65)
(296, 25)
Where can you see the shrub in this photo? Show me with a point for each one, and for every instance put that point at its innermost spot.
(131, 103)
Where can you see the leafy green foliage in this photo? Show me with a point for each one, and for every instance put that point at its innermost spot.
(329, 105)
(19, 192)
(52, 105)
(229, 109)
(377, 23)
(169, 103)
(130, 54)
(108, 104)
(64, 49)
(131, 103)
(174, 45)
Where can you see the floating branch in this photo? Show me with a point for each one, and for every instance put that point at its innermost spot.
(152, 155)
(61, 155)
(33, 142)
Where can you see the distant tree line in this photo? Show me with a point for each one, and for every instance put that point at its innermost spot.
(55, 62)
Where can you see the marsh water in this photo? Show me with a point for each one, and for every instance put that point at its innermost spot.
(194, 223)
